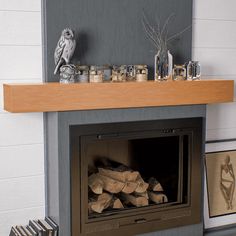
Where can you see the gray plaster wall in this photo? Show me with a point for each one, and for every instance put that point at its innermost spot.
(111, 32)
(58, 200)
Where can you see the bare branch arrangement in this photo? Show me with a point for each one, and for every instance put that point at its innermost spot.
(159, 36)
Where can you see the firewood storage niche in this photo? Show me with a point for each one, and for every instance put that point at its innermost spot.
(135, 174)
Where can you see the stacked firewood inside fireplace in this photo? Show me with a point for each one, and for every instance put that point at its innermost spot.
(121, 187)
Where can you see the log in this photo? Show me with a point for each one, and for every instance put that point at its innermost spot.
(137, 201)
(142, 185)
(97, 207)
(145, 194)
(129, 187)
(115, 186)
(111, 185)
(103, 201)
(106, 198)
(157, 197)
(116, 203)
(119, 174)
(154, 185)
(95, 183)
(122, 174)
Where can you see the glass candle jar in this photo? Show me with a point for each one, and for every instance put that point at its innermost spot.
(82, 74)
(67, 74)
(107, 73)
(141, 72)
(119, 73)
(96, 74)
(193, 70)
(131, 73)
(179, 72)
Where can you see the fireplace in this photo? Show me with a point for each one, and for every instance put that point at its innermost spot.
(166, 150)
(161, 143)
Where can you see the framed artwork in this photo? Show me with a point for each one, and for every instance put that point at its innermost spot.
(220, 184)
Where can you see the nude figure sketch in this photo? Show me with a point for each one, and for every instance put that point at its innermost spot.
(227, 182)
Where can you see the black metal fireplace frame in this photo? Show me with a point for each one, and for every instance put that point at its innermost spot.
(160, 216)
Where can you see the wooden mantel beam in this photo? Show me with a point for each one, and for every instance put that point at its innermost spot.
(48, 97)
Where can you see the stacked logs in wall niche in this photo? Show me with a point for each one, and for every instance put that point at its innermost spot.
(121, 187)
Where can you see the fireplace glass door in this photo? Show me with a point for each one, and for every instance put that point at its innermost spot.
(130, 171)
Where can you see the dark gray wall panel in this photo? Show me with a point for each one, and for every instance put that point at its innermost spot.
(134, 114)
(110, 31)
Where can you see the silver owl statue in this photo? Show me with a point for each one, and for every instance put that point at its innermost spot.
(65, 49)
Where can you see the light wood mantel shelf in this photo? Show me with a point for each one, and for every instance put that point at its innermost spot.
(47, 97)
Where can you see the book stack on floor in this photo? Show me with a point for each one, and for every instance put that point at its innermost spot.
(46, 227)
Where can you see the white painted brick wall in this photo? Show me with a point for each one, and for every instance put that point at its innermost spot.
(21, 135)
(214, 45)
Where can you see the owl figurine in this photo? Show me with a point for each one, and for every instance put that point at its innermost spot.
(65, 49)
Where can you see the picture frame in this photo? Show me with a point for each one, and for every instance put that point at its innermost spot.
(219, 211)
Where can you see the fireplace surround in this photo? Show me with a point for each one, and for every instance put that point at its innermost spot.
(69, 139)
(111, 39)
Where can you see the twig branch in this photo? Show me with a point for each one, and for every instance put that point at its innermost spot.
(150, 36)
(159, 35)
(150, 31)
(178, 34)
(166, 24)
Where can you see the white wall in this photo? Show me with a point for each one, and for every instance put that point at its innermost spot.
(214, 45)
(21, 135)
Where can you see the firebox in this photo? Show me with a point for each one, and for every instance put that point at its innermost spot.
(135, 177)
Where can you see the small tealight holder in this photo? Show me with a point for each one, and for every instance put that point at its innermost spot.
(107, 73)
(193, 70)
(96, 74)
(130, 73)
(179, 72)
(67, 74)
(82, 74)
(141, 72)
(119, 73)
